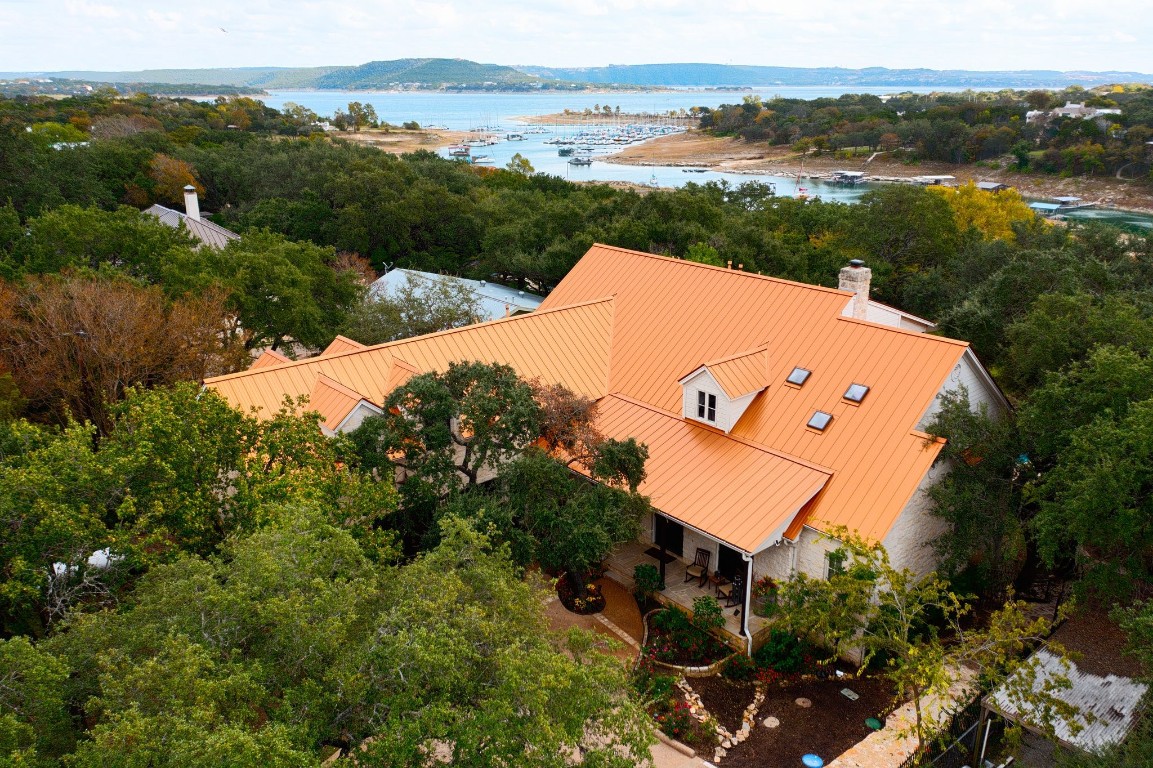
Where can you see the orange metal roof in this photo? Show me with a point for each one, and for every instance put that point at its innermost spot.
(270, 357)
(569, 345)
(743, 373)
(333, 400)
(342, 344)
(663, 318)
(672, 314)
(739, 492)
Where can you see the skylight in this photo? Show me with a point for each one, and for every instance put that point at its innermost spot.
(799, 376)
(856, 393)
(820, 420)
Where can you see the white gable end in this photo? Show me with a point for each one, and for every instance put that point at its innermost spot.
(727, 412)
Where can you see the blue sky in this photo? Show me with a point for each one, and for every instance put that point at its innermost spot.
(45, 35)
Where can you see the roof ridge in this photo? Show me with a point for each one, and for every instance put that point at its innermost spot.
(735, 438)
(905, 331)
(763, 348)
(388, 346)
(741, 272)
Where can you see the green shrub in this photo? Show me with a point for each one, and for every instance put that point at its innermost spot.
(646, 581)
(739, 669)
(672, 620)
(707, 614)
(781, 653)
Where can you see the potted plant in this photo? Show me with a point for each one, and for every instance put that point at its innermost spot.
(765, 596)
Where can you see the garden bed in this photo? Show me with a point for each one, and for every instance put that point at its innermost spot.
(671, 639)
(726, 701)
(829, 727)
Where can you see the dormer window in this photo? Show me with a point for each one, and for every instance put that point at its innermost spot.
(856, 393)
(799, 376)
(706, 406)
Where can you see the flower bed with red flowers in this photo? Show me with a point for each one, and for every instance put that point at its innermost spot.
(592, 602)
(674, 639)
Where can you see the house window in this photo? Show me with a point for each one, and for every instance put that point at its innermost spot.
(799, 376)
(706, 406)
(856, 393)
(835, 563)
(820, 421)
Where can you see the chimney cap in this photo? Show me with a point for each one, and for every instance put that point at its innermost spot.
(189, 188)
(856, 263)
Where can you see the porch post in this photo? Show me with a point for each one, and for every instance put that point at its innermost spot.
(662, 558)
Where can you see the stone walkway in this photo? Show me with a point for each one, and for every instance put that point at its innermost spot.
(892, 745)
(621, 621)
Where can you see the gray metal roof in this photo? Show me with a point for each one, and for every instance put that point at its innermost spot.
(202, 229)
(495, 300)
(1112, 702)
(991, 185)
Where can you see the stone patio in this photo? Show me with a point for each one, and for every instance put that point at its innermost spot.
(619, 567)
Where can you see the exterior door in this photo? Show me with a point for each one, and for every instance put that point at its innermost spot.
(729, 562)
(670, 533)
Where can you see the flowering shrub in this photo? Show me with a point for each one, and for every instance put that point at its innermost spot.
(675, 639)
(739, 668)
(675, 720)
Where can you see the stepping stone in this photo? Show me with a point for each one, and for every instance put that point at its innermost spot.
(849, 694)
(804, 703)
(771, 722)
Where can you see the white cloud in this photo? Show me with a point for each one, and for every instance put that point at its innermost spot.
(941, 34)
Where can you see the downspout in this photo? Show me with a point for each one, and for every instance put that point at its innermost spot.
(746, 601)
(792, 558)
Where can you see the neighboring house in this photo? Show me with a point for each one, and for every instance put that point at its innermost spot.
(773, 410)
(992, 186)
(495, 300)
(202, 229)
(1071, 110)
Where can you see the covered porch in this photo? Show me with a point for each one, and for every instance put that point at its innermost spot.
(620, 564)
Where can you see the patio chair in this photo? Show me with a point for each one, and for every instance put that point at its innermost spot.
(733, 592)
(700, 568)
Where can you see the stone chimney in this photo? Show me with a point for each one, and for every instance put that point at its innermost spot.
(191, 203)
(856, 278)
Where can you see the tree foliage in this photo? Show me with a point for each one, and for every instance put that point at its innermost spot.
(979, 497)
(414, 307)
(75, 343)
(902, 620)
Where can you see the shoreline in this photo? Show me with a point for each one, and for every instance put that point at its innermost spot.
(694, 149)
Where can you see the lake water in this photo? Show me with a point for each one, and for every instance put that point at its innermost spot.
(500, 112)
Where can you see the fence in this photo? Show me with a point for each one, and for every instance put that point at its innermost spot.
(953, 744)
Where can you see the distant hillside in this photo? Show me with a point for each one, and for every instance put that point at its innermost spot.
(428, 73)
(58, 86)
(424, 74)
(254, 77)
(460, 74)
(724, 75)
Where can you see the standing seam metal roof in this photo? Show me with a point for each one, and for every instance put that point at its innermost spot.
(666, 316)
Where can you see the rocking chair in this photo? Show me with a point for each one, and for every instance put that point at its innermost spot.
(733, 592)
(700, 567)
